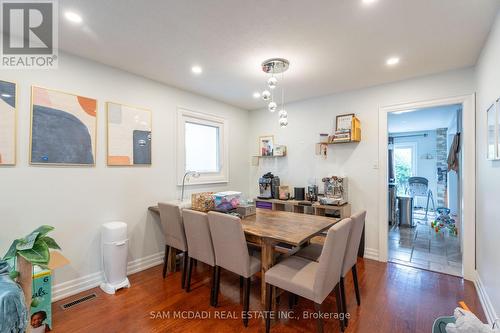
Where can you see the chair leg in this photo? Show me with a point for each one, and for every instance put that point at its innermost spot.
(291, 300)
(217, 284)
(356, 284)
(339, 306)
(184, 269)
(165, 261)
(319, 321)
(190, 271)
(212, 291)
(246, 301)
(343, 301)
(269, 297)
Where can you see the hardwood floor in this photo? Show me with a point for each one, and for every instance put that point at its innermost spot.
(394, 298)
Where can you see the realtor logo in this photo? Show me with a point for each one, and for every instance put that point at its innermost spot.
(29, 34)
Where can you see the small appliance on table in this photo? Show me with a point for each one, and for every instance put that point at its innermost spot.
(335, 191)
(269, 186)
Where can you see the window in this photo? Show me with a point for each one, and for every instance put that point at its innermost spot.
(405, 165)
(201, 147)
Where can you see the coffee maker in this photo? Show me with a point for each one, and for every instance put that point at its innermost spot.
(269, 186)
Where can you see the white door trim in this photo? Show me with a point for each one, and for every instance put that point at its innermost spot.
(468, 177)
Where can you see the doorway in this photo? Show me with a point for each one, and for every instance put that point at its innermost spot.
(449, 190)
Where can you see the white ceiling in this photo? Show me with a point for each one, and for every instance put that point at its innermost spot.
(333, 45)
(421, 119)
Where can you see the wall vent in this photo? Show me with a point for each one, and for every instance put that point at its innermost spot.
(80, 300)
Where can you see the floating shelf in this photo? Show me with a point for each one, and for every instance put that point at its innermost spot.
(338, 143)
(256, 158)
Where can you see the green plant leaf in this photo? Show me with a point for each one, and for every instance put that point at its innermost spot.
(11, 253)
(51, 243)
(43, 229)
(38, 254)
(13, 274)
(27, 242)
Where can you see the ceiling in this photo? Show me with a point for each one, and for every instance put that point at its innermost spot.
(332, 45)
(421, 119)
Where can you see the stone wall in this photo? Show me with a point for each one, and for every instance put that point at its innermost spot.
(441, 167)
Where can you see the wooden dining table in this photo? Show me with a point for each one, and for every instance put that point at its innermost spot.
(268, 228)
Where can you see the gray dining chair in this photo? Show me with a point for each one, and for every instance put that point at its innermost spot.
(231, 253)
(175, 237)
(313, 251)
(200, 244)
(310, 279)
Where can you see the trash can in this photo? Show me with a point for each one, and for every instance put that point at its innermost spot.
(405, 208)
(114, 256)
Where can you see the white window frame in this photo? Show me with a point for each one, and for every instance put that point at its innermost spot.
(185, 115)
(414, 154)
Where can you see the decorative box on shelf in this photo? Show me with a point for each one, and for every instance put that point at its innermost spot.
(347, 129)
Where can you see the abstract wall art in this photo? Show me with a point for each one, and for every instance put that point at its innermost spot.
(8, 94)
(63, 128)
(129, 135)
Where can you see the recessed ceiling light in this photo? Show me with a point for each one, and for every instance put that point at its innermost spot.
(392, 61)
(73, 17)
(6, 95)
(196, 69)
(369, 2)
(256, 94)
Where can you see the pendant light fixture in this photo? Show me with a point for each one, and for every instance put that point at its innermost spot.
(273, 67)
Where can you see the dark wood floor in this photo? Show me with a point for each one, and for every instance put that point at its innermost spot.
(395, 298)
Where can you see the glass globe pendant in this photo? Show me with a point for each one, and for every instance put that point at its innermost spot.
(266, 95)
(272, 106)
(283, 113)
(283, 122)
(272, 82)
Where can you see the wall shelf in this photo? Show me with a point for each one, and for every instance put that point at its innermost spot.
(256, 158)
(338, 143)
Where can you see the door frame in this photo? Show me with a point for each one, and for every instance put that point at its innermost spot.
(468, 176)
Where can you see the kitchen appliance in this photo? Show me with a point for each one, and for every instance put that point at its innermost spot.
(405, 208)
(269, 186)
(335, 191)
(312, 193)
(299, 193)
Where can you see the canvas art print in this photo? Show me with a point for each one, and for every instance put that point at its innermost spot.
(63, 128)
(129, 135)
(7, 123)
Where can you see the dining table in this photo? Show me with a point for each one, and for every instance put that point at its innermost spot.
(268, 229)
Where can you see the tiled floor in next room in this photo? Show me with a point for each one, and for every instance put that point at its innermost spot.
(422, 247)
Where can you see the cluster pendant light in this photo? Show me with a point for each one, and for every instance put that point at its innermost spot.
(274, 67)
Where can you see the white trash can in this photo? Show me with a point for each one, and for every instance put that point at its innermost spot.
(114, 256)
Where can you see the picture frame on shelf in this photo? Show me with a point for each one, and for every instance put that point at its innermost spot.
(279, 150)
(266, 145)
(344, 121)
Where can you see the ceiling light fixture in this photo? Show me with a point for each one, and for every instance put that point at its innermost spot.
(196, 69)
(6, 95)
(369, 2)
(275, 66)
(73, 17)
(392, 61)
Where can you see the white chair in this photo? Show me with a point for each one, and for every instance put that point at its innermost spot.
(310, 279)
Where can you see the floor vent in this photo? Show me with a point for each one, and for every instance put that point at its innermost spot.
(80, 300)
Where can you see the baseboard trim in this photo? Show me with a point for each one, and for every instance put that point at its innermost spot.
(72, 287)
(488, 309)
(371, 254)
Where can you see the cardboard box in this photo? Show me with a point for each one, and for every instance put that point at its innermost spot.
(37, 282)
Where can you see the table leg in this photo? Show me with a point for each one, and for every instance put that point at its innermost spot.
(172, 260)
(267, 262)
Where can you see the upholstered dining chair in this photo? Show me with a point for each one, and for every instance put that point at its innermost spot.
(231, 253)
(200, 244)
(175, 238)
(310, 279)
(313, 251)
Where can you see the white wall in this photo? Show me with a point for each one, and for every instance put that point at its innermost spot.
(359, 161)
(77, 200)
(488, 172)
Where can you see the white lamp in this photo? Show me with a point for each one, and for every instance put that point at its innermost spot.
(194, 174)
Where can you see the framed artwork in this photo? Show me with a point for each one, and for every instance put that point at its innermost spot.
(344, 122)
(8, 120)
(63, 128)
(266, 145)
(492, 132)
(129, 135)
